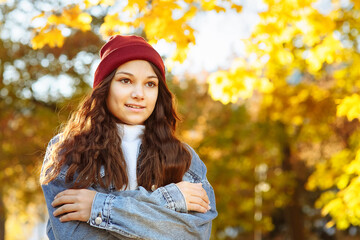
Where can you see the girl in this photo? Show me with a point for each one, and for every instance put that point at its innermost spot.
(117, 171)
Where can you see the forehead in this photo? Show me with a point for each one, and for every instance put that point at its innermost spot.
(136, 65)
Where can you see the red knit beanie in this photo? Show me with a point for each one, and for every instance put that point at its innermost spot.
(121, 49)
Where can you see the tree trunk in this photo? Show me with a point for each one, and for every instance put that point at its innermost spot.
(293, 212)
(294, 216)
(2, 216)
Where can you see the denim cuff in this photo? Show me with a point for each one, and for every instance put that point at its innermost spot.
(100, 210)
(174, 198)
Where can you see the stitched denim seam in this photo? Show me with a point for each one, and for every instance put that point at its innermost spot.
(108, 209)
(108, 222)
(169, 200)
(194, 176)
(126, 234)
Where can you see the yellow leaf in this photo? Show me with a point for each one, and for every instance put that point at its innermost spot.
(356, 4)
(216, 79)
(324, 198)
(132, 10)
(190, 13)
(285, 57)
(238, 8)
(354, 166)
(53, 19)
(264, 85)
(229, 87)
(140, 4)
(343, 181)
(208, 5)
(113, 25)
(91, 3)
(179, 55)
(297, 120)
(219, 9)
(85, 18)
(323, 53)
(53, 38)
(37, 16)
(107, 2)
(330, 224)
(349, 107)
(342, 224)
(335, 205)
(74, 17)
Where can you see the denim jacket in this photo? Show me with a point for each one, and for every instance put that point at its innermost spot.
(135, 214)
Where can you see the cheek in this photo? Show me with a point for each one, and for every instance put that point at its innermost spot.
(109, 105)
(108, 101)
(111, 102)
(154, 99)
(116, 95)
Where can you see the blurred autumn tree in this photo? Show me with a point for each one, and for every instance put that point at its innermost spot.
(29, 119)
(301, 69)
(291, 104)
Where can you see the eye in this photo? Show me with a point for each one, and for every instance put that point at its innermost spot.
(151, 84)
(125, 81)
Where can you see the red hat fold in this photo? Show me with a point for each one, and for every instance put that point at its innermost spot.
(121, 49)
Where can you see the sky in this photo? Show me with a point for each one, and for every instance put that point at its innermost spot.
(218, 38)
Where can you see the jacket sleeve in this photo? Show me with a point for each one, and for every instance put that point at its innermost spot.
(149, 215)
(138, 214)
(57, 230)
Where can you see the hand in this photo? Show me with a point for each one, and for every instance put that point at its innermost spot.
(195, 196)
(74, 204)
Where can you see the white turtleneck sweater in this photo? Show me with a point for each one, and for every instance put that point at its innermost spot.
(130, 144)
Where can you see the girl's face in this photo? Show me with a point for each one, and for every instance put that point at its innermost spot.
(133, 92)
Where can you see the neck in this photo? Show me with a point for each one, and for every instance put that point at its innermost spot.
(130, 133)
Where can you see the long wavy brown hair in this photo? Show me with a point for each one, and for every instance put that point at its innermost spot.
(90, 140)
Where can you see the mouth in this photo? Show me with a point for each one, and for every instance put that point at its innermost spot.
(134, 106)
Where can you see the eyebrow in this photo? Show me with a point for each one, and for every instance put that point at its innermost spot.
(132, 75)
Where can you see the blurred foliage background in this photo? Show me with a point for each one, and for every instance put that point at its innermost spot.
(278, 128)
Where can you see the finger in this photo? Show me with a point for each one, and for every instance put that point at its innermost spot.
(199, 201)
(73, 216)
(191, 185)
(196, 208)
(68, 192)
(196, 184)
(64, 200)
(67, 208)
(196, 187)
(204, 196)
(200, 193)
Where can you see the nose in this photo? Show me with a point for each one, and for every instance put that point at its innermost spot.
(138, 92)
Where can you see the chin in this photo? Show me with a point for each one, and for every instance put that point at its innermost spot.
(134, 122)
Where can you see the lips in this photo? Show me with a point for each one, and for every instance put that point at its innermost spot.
(134, 106)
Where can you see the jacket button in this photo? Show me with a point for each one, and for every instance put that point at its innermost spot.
(153, 187)
(98, 220)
